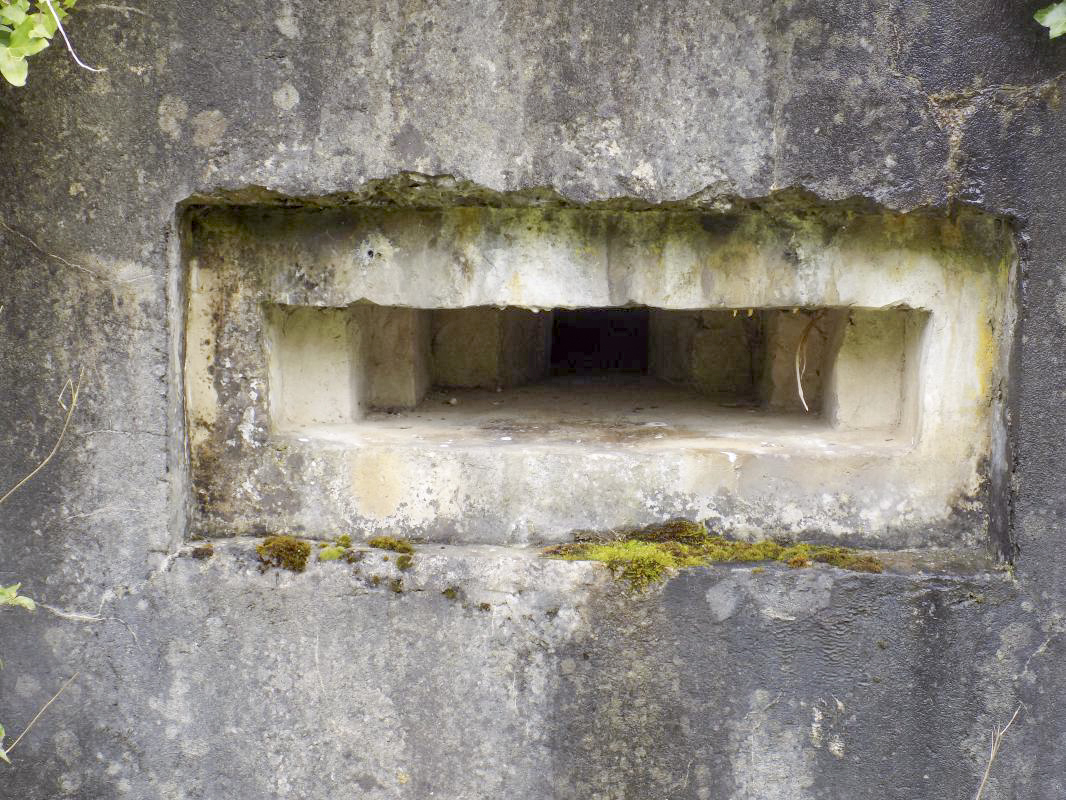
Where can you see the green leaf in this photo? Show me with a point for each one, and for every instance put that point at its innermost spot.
(30, 47)
(24, 42)
(13, 68)
(9, 595)
(3, 756)
(42, 8)
(44, 26)
(3, 752)
(12, 14)
(1053, 17)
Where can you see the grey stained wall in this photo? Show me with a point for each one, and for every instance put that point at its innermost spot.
(532, 679)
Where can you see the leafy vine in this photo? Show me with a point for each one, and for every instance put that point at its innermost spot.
(27, 28)
(1053, 17)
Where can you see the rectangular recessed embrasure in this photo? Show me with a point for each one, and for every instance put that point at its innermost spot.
(417, 375)
(508, 375)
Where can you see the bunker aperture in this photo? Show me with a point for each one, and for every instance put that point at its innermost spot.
(508, 374)
(474, 370)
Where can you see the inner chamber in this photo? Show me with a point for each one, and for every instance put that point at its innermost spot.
(600, 341)
(482, 366)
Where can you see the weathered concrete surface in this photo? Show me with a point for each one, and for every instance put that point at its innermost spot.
(415, 260)
(489, 673)
(906, 104)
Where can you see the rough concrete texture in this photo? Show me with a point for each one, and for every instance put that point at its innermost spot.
(866, 271)
(207, 678)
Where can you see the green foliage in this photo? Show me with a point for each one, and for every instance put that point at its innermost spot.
(9, 596)
(1053, 17)
(26, 29)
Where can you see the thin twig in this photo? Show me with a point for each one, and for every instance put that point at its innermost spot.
(997, 740)
(74, 390)
(70, 47)
(801, 358)
(43, 709)
(75, 616)
(44, 252)
(127, 10)
(78, 616)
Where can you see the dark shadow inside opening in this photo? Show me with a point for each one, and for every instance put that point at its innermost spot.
(598, 341)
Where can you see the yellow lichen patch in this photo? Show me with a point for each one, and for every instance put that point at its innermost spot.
(391, 543)
(340, 548)
(284, 552)
(330, 553)
(647, 555)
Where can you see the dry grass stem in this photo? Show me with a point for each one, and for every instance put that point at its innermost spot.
(801, 357)
(997, 740)
(44, 708)
(74, 389)
(44, 252)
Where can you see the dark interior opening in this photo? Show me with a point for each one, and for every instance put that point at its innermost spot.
(600, 340)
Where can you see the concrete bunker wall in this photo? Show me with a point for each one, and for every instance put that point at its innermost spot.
(771, 373)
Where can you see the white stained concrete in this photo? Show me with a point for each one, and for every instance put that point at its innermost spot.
(316, 372)
(906, 329)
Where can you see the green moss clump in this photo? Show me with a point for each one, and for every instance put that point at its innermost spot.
(344, 540)
(391, 543)
(330, 553)
(353, 556)
(647, 555)
(396, 585)
(452, 592)
(640, 563)
(682, 531)
(284, 552)
(405, 562)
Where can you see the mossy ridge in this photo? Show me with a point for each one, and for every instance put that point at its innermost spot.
(644, 556)
(284, 552)
(392, 543)
(341, 549)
